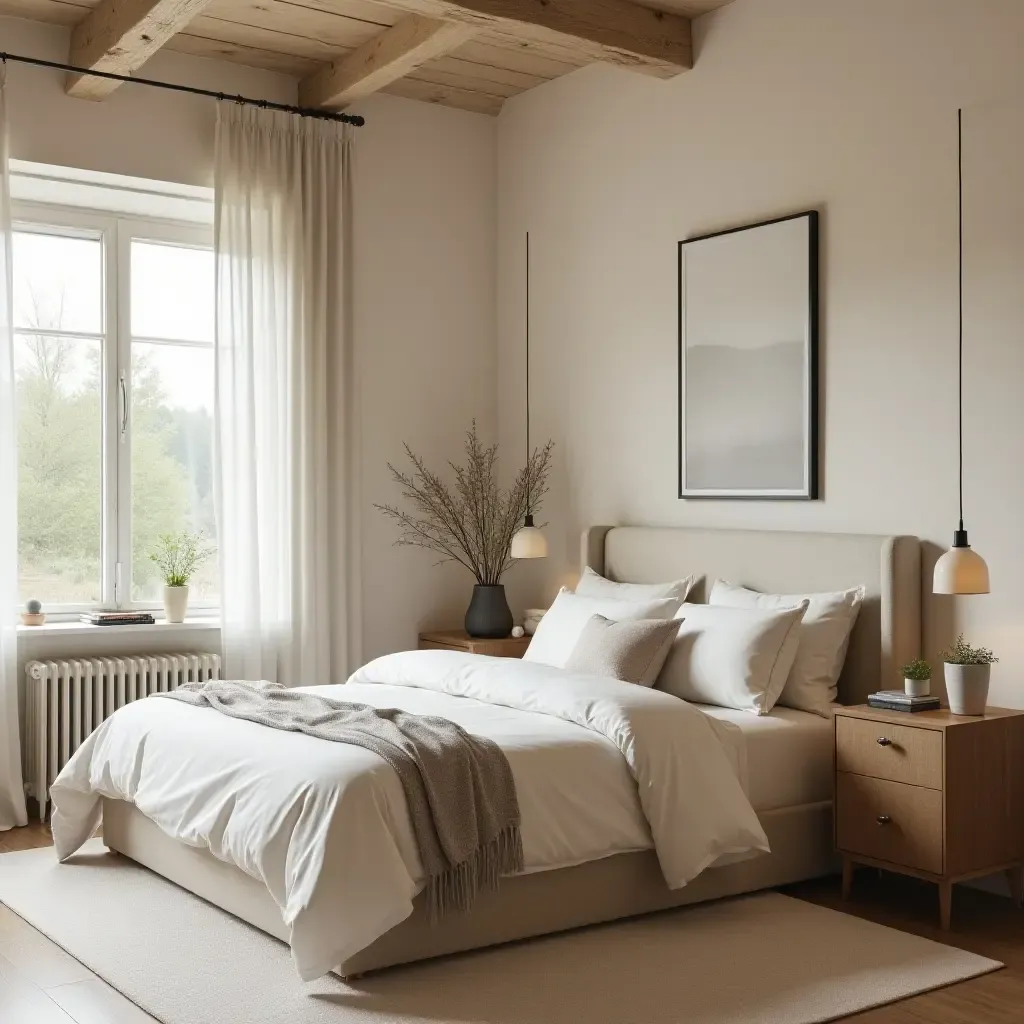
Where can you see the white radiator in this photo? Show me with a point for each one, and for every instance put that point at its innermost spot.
(67, 699)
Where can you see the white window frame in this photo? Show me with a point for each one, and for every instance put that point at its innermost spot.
(116, 233)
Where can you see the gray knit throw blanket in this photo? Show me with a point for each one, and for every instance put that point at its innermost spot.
(459, 788)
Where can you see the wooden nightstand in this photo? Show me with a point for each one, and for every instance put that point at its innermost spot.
(459, 640)
(931, 794)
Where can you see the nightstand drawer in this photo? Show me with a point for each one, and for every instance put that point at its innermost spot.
(889, 821)
(900, 753)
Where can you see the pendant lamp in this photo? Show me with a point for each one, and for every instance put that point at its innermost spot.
(960, 570)
(529, 540)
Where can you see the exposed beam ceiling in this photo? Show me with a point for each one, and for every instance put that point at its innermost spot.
(386, 57)
(616, 31)
(343, 49)
(120, 36)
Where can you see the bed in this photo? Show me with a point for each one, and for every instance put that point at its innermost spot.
(787, 756)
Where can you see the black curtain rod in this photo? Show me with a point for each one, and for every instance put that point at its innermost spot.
(323, 115)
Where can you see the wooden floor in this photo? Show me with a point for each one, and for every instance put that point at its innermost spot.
(41, 984)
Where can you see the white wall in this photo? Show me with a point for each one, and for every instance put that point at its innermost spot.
(424, 274)
(793, 104)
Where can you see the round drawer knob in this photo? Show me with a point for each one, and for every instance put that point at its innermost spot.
(883, 819)
(884, 741)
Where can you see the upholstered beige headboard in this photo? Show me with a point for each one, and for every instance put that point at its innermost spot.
(888, 630)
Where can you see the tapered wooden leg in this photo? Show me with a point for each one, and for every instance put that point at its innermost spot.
(1015, 877)
(945, 904)
(847, 877)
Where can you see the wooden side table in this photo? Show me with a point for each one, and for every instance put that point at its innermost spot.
(931, 794)
(459, 640)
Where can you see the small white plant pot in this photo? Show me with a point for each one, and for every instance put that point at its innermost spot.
(917, 687)
(967, 688)
(175, 603)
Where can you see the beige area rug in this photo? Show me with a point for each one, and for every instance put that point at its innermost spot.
(761, 959)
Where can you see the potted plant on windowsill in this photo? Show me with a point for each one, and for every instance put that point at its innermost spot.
(917, 677)
(473, 522)
(178, 556)
(967, 672)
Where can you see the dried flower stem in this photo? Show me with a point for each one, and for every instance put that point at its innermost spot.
(472, 523)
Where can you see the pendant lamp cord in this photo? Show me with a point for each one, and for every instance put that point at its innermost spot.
(527, 347)
(960, 300)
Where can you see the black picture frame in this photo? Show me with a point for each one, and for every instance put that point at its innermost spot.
(809, 487)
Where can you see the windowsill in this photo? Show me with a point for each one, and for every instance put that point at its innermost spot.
(49, 629)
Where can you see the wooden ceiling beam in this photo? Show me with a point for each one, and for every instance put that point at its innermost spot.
(386, 57)
(120, 36)
(615, 31)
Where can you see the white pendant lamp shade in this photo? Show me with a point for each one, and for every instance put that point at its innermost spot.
(961, 570)
(529, 542)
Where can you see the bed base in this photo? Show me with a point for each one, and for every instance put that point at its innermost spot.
(524, 906)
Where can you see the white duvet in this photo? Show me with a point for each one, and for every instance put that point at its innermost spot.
(601, 767)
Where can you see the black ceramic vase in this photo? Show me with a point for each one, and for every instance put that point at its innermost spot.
(488, 616)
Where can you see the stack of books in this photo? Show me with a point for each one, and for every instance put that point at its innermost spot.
(897, 700)
(118, 619)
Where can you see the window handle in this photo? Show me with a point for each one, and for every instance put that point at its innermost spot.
(123, 388)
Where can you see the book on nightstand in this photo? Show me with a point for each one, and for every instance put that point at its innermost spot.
(898, 700)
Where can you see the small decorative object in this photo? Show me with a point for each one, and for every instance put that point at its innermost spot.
(531, 619)
(178, 557)
(472, 523)
(917, 678)
(748, 361)
(518, 631)
(967, 671)
(33, 614)
(960, 570)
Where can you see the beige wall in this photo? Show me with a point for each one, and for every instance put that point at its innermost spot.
(424, 276)
(849, 108)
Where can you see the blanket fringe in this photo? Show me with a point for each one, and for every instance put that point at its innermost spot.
(456, 888)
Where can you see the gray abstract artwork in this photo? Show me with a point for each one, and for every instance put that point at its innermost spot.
(747, 361)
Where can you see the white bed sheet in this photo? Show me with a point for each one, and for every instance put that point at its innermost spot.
(788, 755)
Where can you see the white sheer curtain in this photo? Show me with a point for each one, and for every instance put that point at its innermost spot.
(12, 795)
(285, 398)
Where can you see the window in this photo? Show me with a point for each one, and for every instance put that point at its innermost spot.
(114, 325)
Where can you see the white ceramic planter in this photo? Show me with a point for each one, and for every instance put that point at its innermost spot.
(917, 687)
(175, 603)
(967, 688)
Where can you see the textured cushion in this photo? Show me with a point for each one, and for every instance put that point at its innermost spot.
(632, 651)
(733, 657)
(824, 639)
(593, 584)
(560, 629)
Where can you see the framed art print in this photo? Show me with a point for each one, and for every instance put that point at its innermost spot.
(748, 361)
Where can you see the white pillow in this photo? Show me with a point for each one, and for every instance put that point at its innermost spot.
(733, 657)
(824, 639)
(593, 584)
(564, 621)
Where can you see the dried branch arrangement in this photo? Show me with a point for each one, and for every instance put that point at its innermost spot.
(473, 521)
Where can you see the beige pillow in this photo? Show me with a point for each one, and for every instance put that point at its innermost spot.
(560, 629)
(733, 657)
(632, 651)
(824, 638)
(593, 584)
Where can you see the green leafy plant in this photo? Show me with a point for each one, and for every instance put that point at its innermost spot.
(917, 669)
(178, 556)
(962, 653)
(473, 521)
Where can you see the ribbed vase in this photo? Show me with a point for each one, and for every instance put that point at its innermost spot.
(488, 616)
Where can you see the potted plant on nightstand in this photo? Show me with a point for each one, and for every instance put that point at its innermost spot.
(967, 672)
(473, 522)
(178, 556)
(917, 677)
